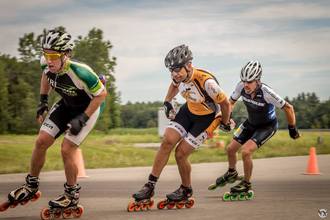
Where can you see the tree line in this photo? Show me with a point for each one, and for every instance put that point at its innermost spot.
(20, 83)
(311, 113)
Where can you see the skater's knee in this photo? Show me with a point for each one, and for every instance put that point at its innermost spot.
(180, 155)
(67, 151)
(43, 142)
(246, 153)
(167, 145)
(230, 150)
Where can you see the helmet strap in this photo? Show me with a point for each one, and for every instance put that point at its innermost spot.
(63, 61)
(188, 75)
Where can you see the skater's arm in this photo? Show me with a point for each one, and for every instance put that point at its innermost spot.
(171, 92)
(42, 108)
(291, 118)
(289, 113)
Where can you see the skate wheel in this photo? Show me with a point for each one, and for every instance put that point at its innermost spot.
(45, 214)
(161, 205)
(57, 213)
(4, 206)
(36, 196)
(151, 204)
(67, 213)
(249, 195)
(144, 207)
(137, 208)
(241, 196)
(131, 206)
(179, 205)
(234, 197)
(190, 203)
(226, 197)
(170, 205)
(77, 212)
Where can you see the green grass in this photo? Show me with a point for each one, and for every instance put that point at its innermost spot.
(116, 149)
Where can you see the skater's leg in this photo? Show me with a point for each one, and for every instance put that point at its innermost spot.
(182, 153)
(232, 149)
(43, 142)
(170, 139)
(247, 150)
(69, 152)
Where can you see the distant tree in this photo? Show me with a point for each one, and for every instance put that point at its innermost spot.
(4, 102)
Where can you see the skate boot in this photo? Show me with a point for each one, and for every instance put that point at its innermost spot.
(228, 177)
(23, 194)
(241, 192)
(179, 198)
(142, 199)
(65, 206)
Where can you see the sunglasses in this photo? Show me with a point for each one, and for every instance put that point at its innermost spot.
(177, 69)
(52, 56)
(248, 82)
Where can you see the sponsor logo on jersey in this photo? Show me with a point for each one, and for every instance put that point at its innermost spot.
(253, 102)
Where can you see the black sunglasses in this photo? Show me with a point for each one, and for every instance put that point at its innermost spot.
(176, 69)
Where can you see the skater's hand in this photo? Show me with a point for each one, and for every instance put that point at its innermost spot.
(293, 131)
(169, 110)
(76, 124)
(227, 127)
(42, 108)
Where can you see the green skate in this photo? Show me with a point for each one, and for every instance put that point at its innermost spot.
(240, 192)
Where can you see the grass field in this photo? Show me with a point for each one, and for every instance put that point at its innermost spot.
(116, 149)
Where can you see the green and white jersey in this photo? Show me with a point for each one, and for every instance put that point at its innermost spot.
(77, 84)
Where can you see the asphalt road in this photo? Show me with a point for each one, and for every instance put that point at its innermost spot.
(281, 192)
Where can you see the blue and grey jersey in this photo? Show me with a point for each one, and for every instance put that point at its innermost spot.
(261, 108)
(77, 84)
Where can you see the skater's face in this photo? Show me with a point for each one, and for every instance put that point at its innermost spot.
(181, 74)
(54, 60)
(250, 87)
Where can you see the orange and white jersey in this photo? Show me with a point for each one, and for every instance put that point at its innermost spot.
(202, 93)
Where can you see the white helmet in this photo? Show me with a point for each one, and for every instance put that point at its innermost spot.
(58, 41)
(251, 71)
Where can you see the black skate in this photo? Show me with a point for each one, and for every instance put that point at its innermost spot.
(22, 195)
(65, 206)
(228, 177)
(142, 199)
(241, 192)
(179, 198)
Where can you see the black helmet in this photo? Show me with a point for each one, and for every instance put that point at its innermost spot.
(178, 57)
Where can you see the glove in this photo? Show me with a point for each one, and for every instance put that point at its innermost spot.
(43, 105)
(227, 127)
(76, 124)
(169, 110)
(293, 131)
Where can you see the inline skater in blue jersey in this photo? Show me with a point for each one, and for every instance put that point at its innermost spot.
(260, 101)
(74, 115)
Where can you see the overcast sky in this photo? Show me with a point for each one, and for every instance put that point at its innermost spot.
(289, 38)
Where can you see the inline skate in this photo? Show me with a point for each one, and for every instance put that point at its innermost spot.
(65, 206)
(142, 199)
(240, 192)
(228, 177)
(22, 195)
(179, 198)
